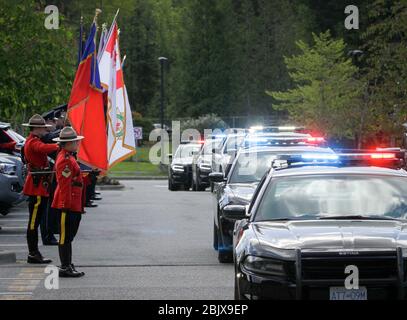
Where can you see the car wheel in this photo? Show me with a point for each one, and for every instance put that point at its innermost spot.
(171, 185)
(225, 256)
(237, 294)
(194, 185)
(4, 211)
(215, 237)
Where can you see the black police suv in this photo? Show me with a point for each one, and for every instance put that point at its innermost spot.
(180, 168)
(202, 164)
(313, 223)
(247, 170)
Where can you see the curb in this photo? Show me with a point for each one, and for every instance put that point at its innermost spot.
(7, 257)
(140, 178)
(110, 187)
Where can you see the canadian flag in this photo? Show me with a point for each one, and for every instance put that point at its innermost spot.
(120, 142)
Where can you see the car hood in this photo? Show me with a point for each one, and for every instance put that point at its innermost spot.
(242, 191)
(183, 161)
(336, 234)
(7, 158)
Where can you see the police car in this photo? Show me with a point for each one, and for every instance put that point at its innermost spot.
(237, 188)
(180, 168)
(316, 220)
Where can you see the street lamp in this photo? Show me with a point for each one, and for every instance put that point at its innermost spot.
(162, 62)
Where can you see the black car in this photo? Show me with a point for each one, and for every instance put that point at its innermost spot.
(237, 189)
(309, 222)
(180, 168)
(202, 164)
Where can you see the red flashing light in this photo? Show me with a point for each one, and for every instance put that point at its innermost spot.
(383, 156)
(315, 139)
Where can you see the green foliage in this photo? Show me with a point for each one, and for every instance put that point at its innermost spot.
(36, 64)
(325, 88)
(385, 67)
(208, 121)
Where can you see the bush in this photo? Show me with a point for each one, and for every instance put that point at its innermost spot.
(209, 121)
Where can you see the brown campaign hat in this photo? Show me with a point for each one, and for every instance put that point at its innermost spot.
(37, 121)
(68, 134)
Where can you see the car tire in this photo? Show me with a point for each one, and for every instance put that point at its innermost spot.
(225, 256)
(194, 185)
(171, 186)
(4, 210)
(215, 237)
(237, 294)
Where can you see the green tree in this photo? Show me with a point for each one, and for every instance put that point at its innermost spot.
(385, 68)
(326, 91)
(141, 68)
(36, 64)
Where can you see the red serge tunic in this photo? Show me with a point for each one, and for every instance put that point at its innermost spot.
(36, 152)
(68, 194)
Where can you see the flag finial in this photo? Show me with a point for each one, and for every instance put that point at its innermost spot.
(97, 13)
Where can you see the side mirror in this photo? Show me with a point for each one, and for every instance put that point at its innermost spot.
(170, 157)
(234, 212)
(216, 177)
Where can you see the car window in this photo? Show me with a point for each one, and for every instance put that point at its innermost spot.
(337, 195)
(210, 145)
(15, 136)
(186, 151)
(233, 143)
(251, 167)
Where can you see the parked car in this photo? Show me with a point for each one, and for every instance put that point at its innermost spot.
(11, 183)
(202, 164)
(239, 186)
(180, 168)
(308, 222)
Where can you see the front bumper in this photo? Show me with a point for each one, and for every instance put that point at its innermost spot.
(182, 178)
(11, 190)
(301, 284)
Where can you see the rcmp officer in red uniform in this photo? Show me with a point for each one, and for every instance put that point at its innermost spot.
(68, 198)
(37, 182)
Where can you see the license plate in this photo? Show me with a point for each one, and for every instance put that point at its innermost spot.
(341, 293)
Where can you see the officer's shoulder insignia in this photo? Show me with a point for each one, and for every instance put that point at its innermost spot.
(66, 172)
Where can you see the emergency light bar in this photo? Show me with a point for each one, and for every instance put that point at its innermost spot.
(275, 129)
(283, 141)
(393, 160)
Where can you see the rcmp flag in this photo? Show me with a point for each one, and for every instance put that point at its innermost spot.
(121, 143)
(85, 108)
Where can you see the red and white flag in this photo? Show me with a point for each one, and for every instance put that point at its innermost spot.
(121, 143)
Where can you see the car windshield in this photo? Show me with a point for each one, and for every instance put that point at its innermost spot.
(210, 145)
(337, 196)
(250, 167)
(233, 143)
(15, 136)
(186, 151)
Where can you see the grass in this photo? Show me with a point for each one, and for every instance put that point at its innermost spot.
(138, 165)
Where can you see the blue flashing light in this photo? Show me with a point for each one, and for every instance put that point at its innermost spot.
(320, 156)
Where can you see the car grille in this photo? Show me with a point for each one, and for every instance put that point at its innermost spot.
(372, 266)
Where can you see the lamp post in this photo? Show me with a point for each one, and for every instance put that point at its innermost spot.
(162, 62)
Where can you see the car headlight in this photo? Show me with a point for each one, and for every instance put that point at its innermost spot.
(7, 168)
(177, 167)
(264, 266)
(404, 251)
(205, 166)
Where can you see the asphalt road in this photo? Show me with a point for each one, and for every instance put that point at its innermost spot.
(142, 242)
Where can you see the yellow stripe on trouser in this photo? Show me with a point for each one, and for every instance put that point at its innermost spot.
(63, 217)
(35, 211)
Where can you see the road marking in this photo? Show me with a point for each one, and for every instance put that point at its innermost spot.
(12, 228)
(13, 220)
(13, 245)
(23, 286)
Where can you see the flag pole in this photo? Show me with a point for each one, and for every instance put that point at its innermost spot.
(111, 27)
